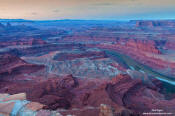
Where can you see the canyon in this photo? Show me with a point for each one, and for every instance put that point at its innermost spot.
(76, 67)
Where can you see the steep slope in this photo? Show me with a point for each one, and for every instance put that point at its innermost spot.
(87, 95)
(12, 67)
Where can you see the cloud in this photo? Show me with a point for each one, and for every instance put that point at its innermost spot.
(82, 9)
(56, 11)
(102, 4)
(34, 13)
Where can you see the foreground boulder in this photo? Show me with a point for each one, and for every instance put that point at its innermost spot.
(54, 93)
(106, 110)
(17, 105)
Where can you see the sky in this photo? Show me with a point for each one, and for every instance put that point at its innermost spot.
(87, 9)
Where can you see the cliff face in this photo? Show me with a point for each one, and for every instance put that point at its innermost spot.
(141, 50)
(72, 56)
(155, 23)
(12, 67)
(121, 93)
(142, 46)
(28, 41)
(7, 62)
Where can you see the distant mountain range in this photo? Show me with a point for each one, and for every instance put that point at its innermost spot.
(26, 20)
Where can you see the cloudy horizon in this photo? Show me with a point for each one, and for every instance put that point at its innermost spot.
(89, 9)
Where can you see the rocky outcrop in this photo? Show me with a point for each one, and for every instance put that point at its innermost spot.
(142, 46)
(122, 94)
(54, 93)
(80, 63)
(155, 23)
(12, 66)
(24, 42)
(147, 54)
(17, 104)
(8, 61)
(119, 87)
(93, 55)
(106, 110)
